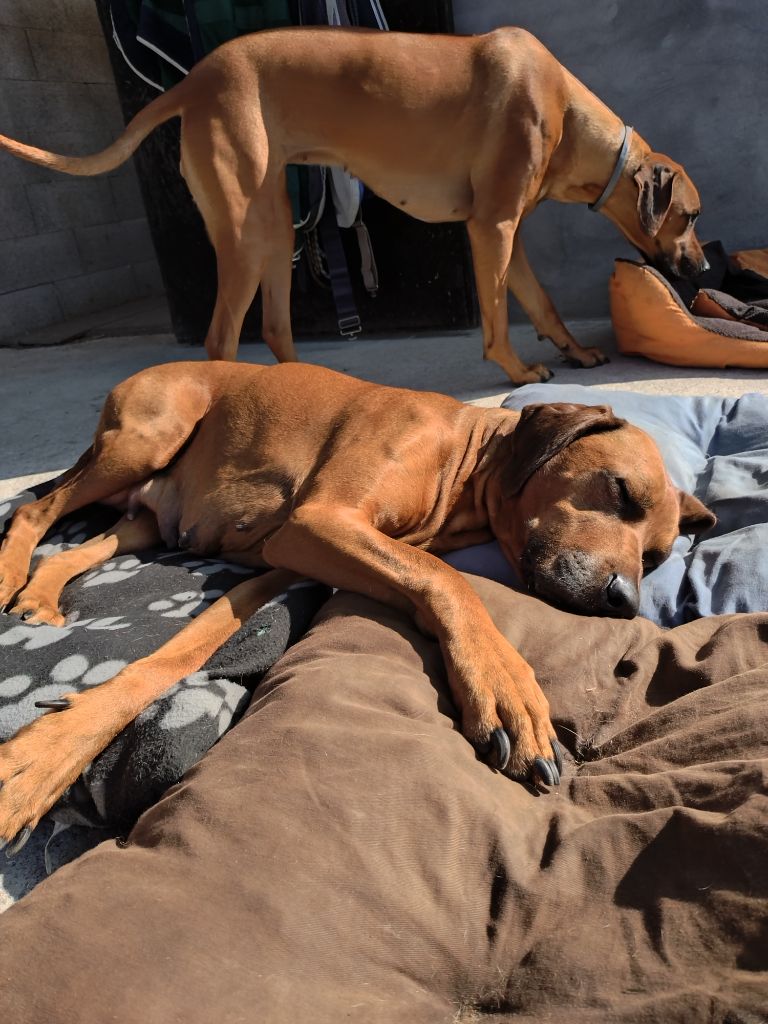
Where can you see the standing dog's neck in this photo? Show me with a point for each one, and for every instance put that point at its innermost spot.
(621, 162)
(586, 157)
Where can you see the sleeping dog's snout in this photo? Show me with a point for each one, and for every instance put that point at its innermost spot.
(574, 579)
(620, 597)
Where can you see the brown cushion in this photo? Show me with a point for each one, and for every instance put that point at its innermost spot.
(755, 260)
(341, 855)
(650, 320)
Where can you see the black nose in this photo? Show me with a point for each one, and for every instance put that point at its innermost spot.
(621, 598)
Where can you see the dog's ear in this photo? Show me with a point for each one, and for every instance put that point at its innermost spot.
(654, 197)
(694, 517)
(547, 428)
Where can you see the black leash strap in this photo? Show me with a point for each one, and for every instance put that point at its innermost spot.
(341, 285)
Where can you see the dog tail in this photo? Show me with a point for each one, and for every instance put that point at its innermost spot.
(161, 109)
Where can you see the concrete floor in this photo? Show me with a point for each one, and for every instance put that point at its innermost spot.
(50, 398)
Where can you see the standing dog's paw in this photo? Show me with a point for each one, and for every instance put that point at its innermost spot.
(586, 358)
(538, 373)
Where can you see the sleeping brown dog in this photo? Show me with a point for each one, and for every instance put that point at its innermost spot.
(312, 473)
(478, 129)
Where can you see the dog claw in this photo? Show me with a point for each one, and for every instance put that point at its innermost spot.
(18, 842)
(497, 751)
(546, 771)
(59, 704)
(557, 750)
(503, 750)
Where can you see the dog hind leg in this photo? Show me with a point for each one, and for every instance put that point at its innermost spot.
(144, 423)
(259, 253)
(276, 284)
(244, 204)
(39, 600)
(239, 266)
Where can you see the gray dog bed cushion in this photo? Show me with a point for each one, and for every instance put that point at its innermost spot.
(715, 448)
(119, 612)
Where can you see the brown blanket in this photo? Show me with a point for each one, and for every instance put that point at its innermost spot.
(342, 856)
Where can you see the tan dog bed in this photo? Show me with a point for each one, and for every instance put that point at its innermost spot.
(678, 324)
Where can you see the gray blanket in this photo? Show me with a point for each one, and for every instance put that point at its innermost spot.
(121, 611)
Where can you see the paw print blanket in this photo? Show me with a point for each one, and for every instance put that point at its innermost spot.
(121, 611)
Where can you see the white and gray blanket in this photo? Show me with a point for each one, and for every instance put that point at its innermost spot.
(121, 611)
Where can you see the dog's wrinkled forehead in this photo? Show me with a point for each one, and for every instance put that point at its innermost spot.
(545, 429)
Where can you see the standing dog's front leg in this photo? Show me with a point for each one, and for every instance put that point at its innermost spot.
(494, 687)
(491, 244)
(523, 284)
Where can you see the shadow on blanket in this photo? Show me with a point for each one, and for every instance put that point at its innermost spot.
(342, 854)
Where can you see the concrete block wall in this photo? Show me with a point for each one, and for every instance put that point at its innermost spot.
(68, 246)
(691, 76)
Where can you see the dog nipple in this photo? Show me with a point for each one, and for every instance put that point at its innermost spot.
(187, 539)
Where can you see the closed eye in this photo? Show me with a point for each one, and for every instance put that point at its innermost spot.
(629, 508)
(652, 559)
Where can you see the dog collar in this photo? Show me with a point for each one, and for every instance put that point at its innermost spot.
(621, 163)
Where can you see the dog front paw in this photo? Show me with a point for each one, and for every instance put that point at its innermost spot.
(36, 767)
(543, 770)
(505, 716)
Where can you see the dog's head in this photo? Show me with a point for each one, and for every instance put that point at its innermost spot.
(586, 507)
(655, 207)
(662, 224)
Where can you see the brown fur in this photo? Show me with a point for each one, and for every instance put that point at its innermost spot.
(478, 129)
(374, 483)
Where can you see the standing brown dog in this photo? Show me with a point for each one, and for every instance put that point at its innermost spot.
(448, 128)
(374, 482)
